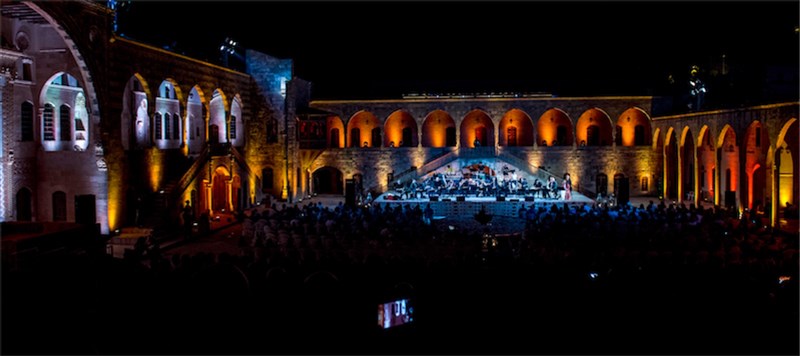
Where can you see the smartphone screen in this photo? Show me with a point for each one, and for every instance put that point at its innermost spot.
(395, 313)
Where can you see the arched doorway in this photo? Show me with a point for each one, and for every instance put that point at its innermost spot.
(328, 180)
(24, 205)
(219, 190)
(671, 165)
(687, 152)
(756, 143)
(728, 161)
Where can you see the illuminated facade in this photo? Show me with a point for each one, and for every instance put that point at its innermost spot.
(101, 128)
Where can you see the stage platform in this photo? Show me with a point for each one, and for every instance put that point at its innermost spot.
(466, 206)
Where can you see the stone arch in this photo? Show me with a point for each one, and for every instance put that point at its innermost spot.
(687, 164)
(360, 129)
(671, 164)
(516, 129)
(60, 90)
(220, 189)
(195, 120)
(86, 83)
(477, 124)
(554, 128)
(217, 117)
(438, 130)
(594, 128)
(636, 128)
(135, 121)
(335, 135)
(786, 163)
(727, 161)
(168, 106)
(756, 145)
(328, 180)
(400, 128)
(706, 165)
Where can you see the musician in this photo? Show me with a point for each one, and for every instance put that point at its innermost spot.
(552, 187)
(538, 187)
(567, 187)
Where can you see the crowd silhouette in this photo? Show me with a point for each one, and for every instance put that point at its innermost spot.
(578, 279)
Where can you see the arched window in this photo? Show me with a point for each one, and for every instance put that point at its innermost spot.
(65, 123)
(47, 122)
(158, 126)
(232, 128)
(59, 206)
(166, 126)
(645, 184)
(26, 121)
(176, 126)
(618, 136)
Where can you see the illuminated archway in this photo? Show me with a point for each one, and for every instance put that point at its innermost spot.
(328, 180)
(687, 164)
(361, 128)
(786, 162)
(593, 128)
(400, 130)
(220, 189)
(635, 128)
(756, 144)
(554, 128)
(706, 165)
(728, 167)
(195, 121)
(335, 135)
(477, 125)
(217, 117)
(438, 130)
(168, 105)
(671, 164)
(516, 129)
(59, 130)
(135, 121)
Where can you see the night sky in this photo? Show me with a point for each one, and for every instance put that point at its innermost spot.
(360, 50)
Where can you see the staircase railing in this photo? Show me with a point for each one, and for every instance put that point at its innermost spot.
(193, 170)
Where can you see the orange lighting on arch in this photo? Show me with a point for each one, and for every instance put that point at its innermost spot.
(593, 117)
(628, 121)
(335, 132)
(395, 124)
(365, 122)
(547, 128)
(477, 122)
(434, 128)
(516, 129)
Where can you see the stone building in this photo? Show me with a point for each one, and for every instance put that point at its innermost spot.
(100, 128)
